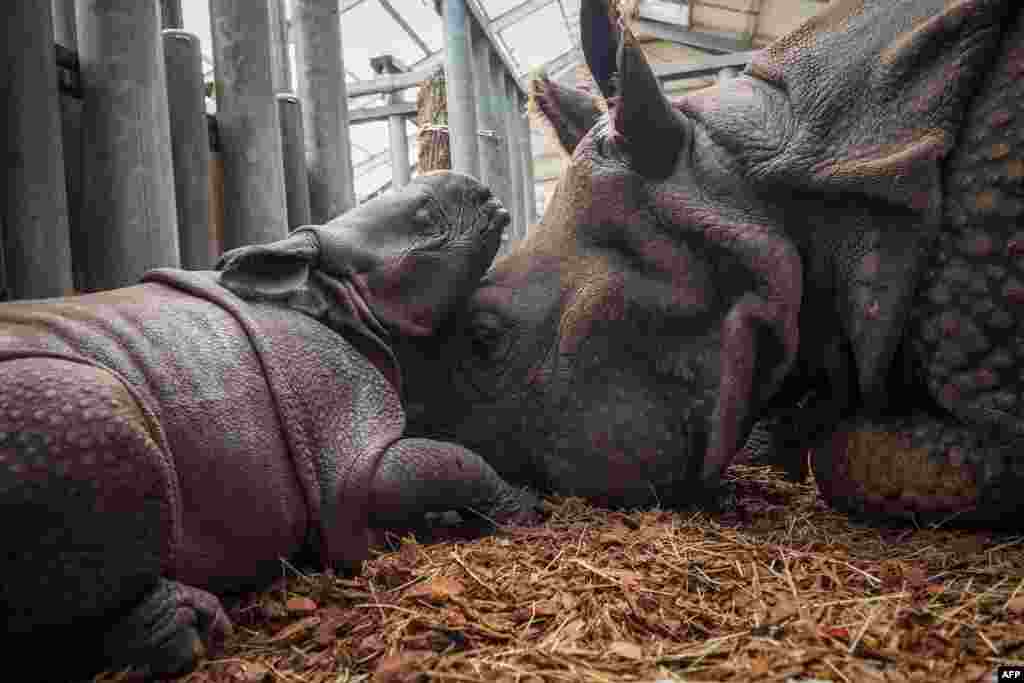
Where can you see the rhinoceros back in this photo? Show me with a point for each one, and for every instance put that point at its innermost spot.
(967, 329)
(234, 498)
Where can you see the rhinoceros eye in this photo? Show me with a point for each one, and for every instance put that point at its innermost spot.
(488, 338)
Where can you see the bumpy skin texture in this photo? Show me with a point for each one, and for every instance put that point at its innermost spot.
(826, 243)
(167, 441)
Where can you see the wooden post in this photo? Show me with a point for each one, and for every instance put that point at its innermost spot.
(296, 178)
(170, 14)
(250, 133)
(321, 76)
(64, 31)
(35, 209)
(190, 147)
(279, 54)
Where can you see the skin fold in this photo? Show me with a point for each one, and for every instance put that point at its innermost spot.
(828, 245)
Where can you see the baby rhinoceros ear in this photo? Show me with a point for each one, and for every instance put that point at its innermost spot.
(273, 271)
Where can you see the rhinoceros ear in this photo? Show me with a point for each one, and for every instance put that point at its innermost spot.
(878, 92)
(653, 132)
(600, 38)
(273, 271)
(570, 112)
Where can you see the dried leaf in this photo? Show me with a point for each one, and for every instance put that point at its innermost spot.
(437, 589)
(300, 605)
(1016, 605)
(295, 629)
(626, 649)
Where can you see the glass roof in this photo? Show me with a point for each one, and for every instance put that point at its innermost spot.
(530, 33)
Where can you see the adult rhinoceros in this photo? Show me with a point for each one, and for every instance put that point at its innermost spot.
(838, 231)
(168, 441)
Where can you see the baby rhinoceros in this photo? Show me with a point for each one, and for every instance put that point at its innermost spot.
(167, 441)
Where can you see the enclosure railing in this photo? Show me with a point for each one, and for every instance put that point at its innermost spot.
(114, 166)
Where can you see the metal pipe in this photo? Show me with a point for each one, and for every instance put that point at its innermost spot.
(250, 133)
(398, 143)
(170, 14)
(279, 57)
(296, 177)
(64, 30)
(526, 149)
(127, 169)
(488, 141)
(726, 73)
(321, 77)
(517, 200)
(35, 210)
(500, 183)
(459, 82)
(190, 148)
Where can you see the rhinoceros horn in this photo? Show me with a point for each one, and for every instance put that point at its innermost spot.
(649, 128)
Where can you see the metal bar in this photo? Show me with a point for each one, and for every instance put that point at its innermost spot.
(517, 13)
(726, 73)
(389, 83)
(398, 143)
(574, 35)
(517, 199)
(170, 14)
(400, 20)
(488, 142)
(702, 41)
(296, 177)
(279, 57)
(526, 149)
(430, 63)
(250, 133)
(366, 114)
(559, 64)
(190, 148)
(64, 31)
(35, 211)
(459, 83)
(346, 5)
(127, 168)
(501, 172)
(484, 24)
(709, 67)
(322, 88)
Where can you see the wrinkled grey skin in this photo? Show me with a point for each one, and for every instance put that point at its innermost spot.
(830, 242)
(163, 443)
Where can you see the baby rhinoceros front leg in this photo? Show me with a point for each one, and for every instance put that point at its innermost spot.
(88, 499)
(416, 476)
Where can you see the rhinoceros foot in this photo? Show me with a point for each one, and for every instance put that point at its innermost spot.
(169, 631)
(923, 469)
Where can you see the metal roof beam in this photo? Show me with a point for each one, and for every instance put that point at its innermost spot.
(405, 26)
(389, 83)
(702, 41)
(708, 67)
(518, 13)
(364, 114)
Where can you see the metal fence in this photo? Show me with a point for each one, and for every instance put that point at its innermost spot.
(114, 167)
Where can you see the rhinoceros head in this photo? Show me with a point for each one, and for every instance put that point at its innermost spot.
(403, 262)
(666, 295)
